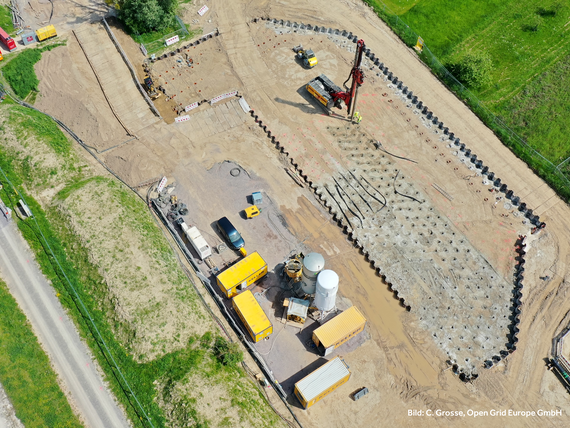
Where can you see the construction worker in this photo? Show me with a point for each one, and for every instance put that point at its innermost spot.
(357, 118)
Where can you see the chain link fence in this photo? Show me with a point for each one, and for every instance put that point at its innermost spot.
(160, 43)
(558, 176)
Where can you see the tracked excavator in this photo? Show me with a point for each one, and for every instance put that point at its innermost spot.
(330, 95)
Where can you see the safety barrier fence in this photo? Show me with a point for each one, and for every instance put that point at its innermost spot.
(202, 39)
(156, 45)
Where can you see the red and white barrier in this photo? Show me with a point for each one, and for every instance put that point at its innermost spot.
(182, 119)
(172, 40)
(161, 185)
(191, 107)
(223, 97)
(203, 10)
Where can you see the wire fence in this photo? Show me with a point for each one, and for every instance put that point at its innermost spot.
(558, 176)
(160, 43)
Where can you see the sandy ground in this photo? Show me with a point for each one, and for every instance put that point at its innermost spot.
(404, 368)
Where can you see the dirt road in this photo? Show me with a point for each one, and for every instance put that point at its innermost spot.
(80, 378)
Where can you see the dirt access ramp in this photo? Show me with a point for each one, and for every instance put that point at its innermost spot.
(115, 79)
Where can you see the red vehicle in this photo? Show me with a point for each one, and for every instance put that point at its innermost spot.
(7, 40)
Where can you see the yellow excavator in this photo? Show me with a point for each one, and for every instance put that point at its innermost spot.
(150, 89)
(307, 57)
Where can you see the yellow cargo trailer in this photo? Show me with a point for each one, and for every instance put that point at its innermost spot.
(252, 316)
(321, 382)
(242, 274)
(335, 332)
(46, 33)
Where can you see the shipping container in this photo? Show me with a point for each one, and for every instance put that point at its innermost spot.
(242, 274)
(7, 40)
(252, 316)
(197, 241)
(321, 382)
(341, 328)
(46, 33)
(29, 38)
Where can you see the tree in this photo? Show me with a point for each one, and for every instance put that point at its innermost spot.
(474, 69)
(145, 16)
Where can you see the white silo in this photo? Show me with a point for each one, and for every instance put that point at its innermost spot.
(313, 264)
(327, 286)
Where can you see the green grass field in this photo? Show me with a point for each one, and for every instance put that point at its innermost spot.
(25, 371)
(528, 43)
(6, 19)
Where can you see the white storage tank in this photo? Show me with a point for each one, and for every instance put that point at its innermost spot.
(327, 287)
(313, 264)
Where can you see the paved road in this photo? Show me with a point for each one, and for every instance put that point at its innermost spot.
(57, 334)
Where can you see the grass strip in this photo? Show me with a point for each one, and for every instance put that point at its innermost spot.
(6, 19)
(26, 374)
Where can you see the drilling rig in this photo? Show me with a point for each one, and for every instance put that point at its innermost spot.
(330, 95)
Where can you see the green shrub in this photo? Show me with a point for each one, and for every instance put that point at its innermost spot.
(6, 19)
(146, 16)
(474, 69)
(228, 353)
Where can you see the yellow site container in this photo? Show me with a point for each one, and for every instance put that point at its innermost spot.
(252, 316)
(321, 382)
(46, 32)
(335, 332)
(242, 274)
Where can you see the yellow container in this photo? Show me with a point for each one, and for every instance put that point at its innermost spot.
(252, 211)
(321, 382)
(252, 316)
(341, 328)
(46, 32)
(242, 274)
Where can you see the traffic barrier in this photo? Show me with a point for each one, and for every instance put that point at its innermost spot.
(222, 97)
(191, 107)
(203, 10)
(182, 119)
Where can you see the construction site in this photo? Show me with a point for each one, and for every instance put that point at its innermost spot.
(362, 191)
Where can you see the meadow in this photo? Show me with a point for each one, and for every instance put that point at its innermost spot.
(528, 44)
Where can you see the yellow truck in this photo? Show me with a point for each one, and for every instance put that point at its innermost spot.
(321, 382)
(46, 33)
(251, 314)
(242, 274)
